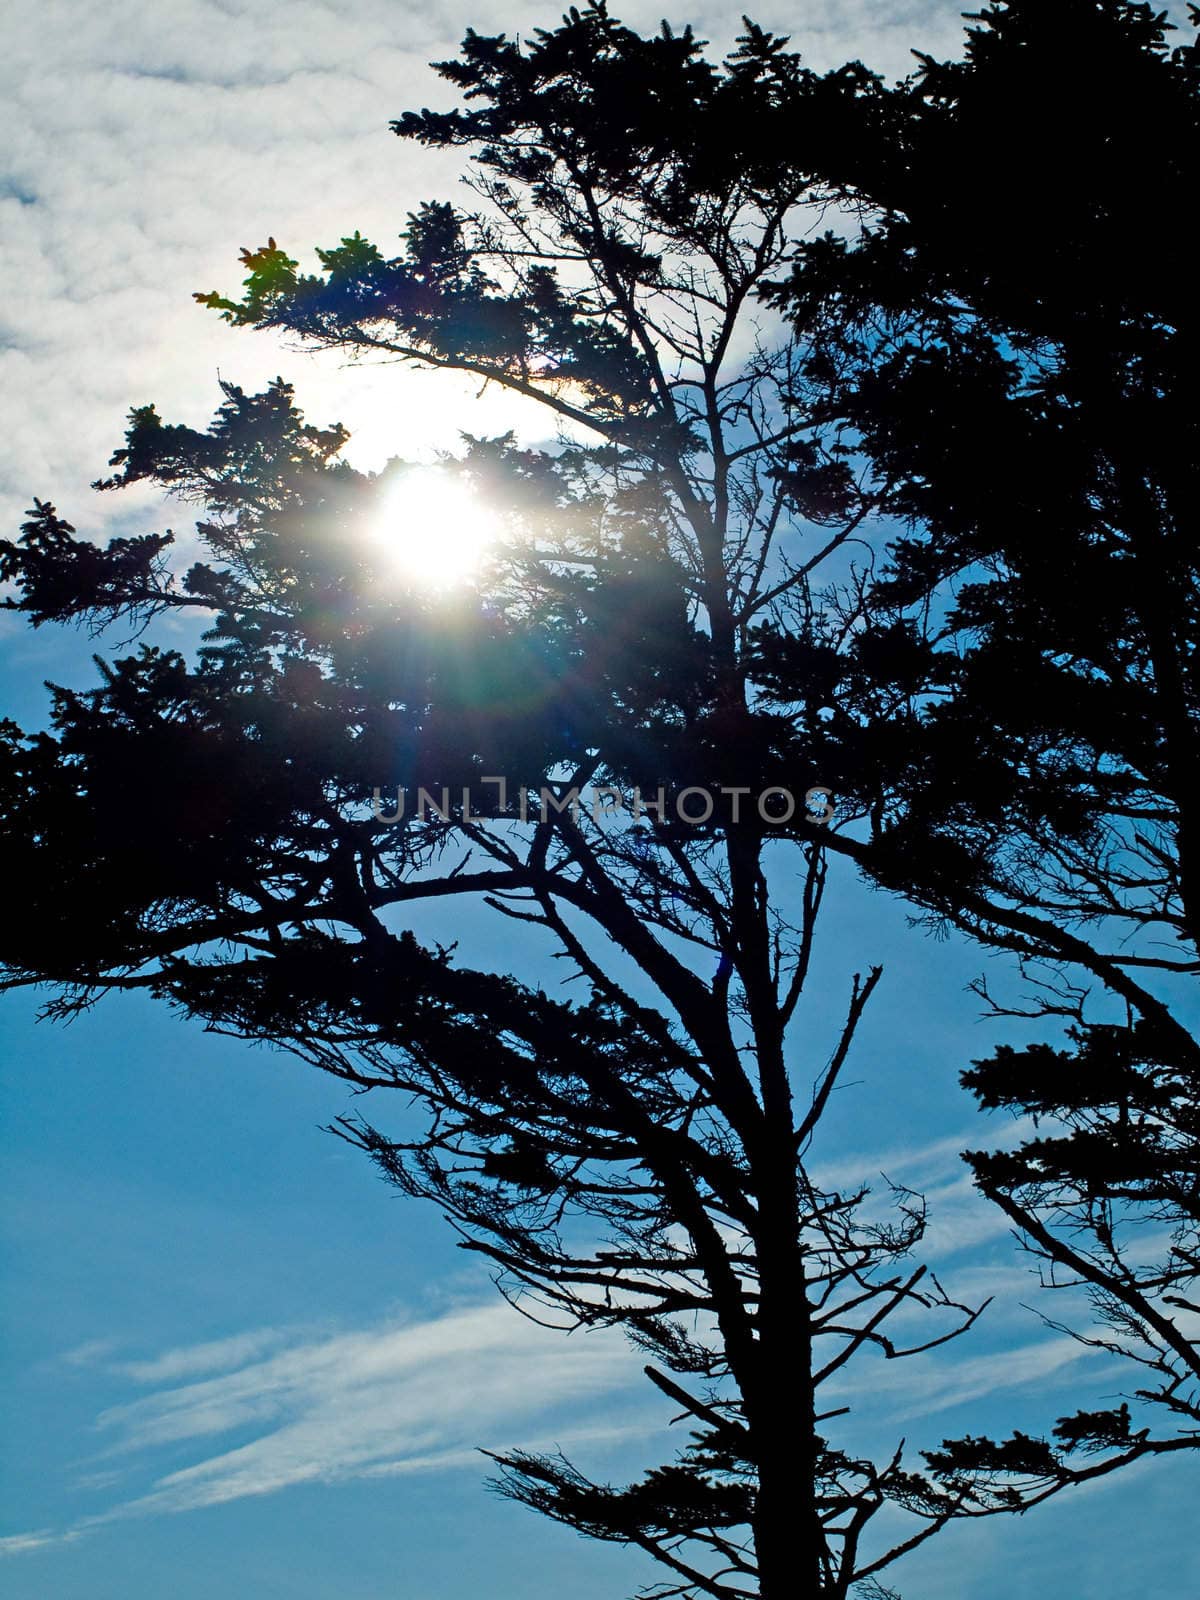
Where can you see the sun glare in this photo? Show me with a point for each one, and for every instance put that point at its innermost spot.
(434, 529)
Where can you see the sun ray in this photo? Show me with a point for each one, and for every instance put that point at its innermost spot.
(434, 530)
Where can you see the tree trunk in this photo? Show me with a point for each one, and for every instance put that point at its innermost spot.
(788, 1537)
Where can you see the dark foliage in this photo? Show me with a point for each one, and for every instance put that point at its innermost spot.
(207, 826)
(983, 353)
(1011, 341)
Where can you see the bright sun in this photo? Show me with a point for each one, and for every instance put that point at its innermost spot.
(434, 529)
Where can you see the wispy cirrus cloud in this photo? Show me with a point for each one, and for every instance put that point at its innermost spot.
(270, 1408)
(199, 1360)
(958, 1218)
(18, 1544)
(922, 1386)
(936, 1161)
(328, 1407)
(421, 1396)
(405, 1396)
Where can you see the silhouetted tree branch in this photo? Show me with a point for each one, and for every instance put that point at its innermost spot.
(209, 828)
(1018, 751)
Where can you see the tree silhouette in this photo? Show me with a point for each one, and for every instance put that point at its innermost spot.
(343, 747)
(1011, 343)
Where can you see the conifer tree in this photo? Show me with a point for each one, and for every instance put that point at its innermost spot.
(1010, 343)
(345, 747)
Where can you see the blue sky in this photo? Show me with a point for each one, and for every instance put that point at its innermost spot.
(233, 1360)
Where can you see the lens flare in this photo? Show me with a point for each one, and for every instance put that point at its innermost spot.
(434, 530)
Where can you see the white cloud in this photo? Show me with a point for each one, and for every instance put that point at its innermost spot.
(328, 1407)
(417, 1396)
(958, 1218)
(412, 1396)
(920, 1386)
(407, 1396)
(939, 1384)
(15, 1544)
(938, 1161)
(89, 1354)
(139, 159)
(217, 1355)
